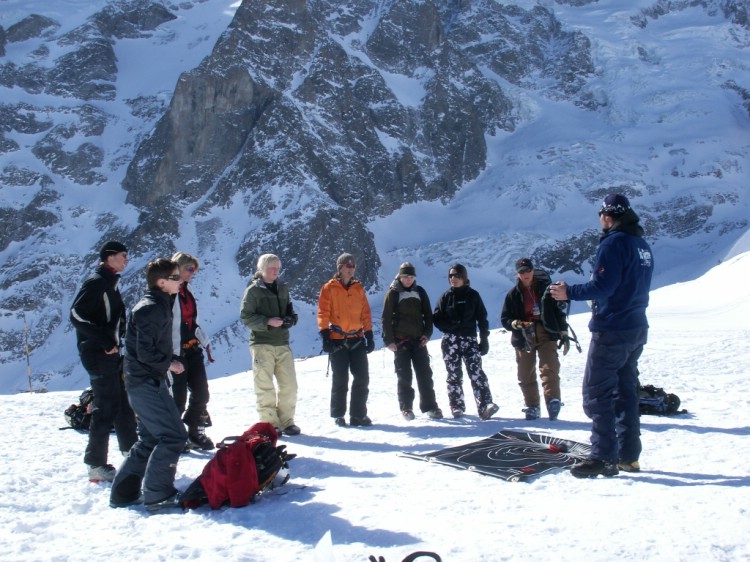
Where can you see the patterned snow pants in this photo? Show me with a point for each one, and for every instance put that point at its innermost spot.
(456, 348)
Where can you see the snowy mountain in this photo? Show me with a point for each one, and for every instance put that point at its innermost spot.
(434, 131)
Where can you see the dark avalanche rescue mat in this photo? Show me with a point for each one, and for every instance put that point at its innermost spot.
(511, 455)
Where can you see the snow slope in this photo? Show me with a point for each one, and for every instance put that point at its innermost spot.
(690, 502)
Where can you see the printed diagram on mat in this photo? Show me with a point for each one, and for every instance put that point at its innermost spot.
(511, 455)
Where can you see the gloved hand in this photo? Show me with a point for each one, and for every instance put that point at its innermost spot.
(519, 324)
(564, 342)
(484, 345)
(370, 341)
(325, 335)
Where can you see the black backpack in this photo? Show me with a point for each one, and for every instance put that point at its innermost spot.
(78, 415)
(656, 402)
(549, 317)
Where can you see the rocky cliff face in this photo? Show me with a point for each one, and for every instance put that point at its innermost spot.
(291, 117)
(308, 120)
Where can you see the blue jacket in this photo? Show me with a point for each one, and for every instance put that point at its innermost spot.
(621, 279)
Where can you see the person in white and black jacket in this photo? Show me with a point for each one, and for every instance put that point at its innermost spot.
(98, 315)
(407, 327)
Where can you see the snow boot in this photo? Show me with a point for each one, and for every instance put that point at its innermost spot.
(591, 468)
(532, 412)
(104, 473)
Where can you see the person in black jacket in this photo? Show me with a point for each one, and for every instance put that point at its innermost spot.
(98, 315)
(189, 341)
(526, 307)
(152, 461)
(458, 313)
(407, 327)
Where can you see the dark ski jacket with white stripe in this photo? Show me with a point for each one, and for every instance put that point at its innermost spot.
(98, 313)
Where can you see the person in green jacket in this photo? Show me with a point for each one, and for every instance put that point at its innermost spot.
(267, 311)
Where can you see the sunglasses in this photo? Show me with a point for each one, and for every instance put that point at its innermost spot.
(173, 277)
(190, 268)
(452, 275)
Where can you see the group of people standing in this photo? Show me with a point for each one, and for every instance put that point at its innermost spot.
(535, 311)
(145, 396)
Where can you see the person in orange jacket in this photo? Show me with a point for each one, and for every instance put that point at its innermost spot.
(345, 324)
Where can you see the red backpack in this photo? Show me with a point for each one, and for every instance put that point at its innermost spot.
(243, 468)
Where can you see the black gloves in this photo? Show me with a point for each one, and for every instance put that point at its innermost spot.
(325, 335)
(267, 461)
(370, 341)
(484, 345)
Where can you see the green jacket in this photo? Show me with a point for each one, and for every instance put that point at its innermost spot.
(259, 303)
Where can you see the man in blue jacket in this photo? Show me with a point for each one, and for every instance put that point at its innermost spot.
(619, 291)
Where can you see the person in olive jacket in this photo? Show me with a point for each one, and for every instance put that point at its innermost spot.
(267, 311)
(458, 313)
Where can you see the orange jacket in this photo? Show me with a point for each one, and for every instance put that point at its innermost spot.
(345, 307)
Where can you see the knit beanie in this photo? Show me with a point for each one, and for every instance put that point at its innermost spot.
(407, 269)
(110, 248)
(344, 259)
(614, 205)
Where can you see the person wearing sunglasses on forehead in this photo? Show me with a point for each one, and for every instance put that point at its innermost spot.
(188, 341)
(268, 313)
(345, 324)
(98, 315)
(152, 461)
(458, 314)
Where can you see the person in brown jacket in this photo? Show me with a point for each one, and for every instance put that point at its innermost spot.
(345, 324)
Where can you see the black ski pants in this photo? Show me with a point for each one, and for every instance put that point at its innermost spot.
(152, 461)
(406, 355)
(195, 380)
(110, 407)
(349, 356)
